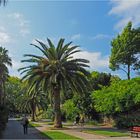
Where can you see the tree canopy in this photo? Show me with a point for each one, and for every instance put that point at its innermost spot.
(56, 69)
(120, 97)
(125, 52)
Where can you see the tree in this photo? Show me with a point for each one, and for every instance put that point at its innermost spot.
(55, 69)
(5, 61)
(32, 100)
(14, 89)
(121, 97)
(70, 109)
(98, 80)
(120, 101)
(125, 50)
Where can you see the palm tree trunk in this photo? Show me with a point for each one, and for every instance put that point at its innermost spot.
(57, 110)
(4, 94)
(128, 72)
(33, 115)
(33, 111)
(1, 95)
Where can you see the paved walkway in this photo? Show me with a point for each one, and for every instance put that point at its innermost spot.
(76, 131)
(14, 130)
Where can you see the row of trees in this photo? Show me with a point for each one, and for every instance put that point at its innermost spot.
(56, 78)
(114, 98)
(23, 101)
(5, 61)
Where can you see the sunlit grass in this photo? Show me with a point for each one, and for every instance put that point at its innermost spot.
(58, 135)
(31, 124)
(107, 133)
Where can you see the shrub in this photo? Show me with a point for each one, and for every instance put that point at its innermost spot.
(126, 122)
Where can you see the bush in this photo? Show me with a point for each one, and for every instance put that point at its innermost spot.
(70, 110)
(126, 122)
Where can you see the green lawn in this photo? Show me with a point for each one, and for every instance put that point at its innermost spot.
(50, 123)
(34, 124)
(58, 135)
(107, 133)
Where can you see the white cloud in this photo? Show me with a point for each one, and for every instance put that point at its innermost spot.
(16, 64)
(2, 28)
(76, 37)
(100, 36)
(21, 22)
(4, 38)
(97, 61)
(126, 10)
(24, 32)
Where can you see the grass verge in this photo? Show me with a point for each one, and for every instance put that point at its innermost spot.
(107, 133)
(34, 124)
(58, 135)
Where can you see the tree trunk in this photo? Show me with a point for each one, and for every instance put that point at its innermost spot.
(1, 94)
(57, 111)
(128, 72)
(33, 111)
(4, 94)
(33, 115)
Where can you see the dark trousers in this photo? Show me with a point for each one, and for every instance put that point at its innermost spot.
(25, 128)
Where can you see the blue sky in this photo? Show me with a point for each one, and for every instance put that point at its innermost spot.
(91, 25)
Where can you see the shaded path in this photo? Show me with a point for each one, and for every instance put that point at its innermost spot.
(14, 130)
(76, 131)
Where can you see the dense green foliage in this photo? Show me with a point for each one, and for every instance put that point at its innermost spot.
(121, 100)
(125, 50)
(83, 104)
(14, 88)
(98, 80)
(70, 110)
(5, 61)
(121, 96)
(32, 101)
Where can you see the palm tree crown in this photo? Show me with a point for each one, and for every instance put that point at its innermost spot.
(56, 70)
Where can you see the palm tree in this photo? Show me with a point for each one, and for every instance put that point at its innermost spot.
(55, 70)
(33, 98)
(5, 61)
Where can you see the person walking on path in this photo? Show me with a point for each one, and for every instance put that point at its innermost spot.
(77, 120)
(25, 123)
(82, 120)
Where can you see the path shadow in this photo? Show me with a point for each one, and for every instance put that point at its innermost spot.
(14, 130)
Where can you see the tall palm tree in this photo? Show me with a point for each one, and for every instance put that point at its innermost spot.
(55, 70)
(5, 61)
